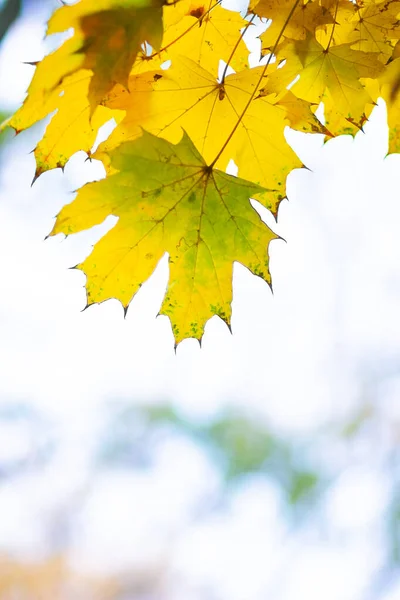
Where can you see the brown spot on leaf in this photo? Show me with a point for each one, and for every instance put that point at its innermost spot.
(197, 12)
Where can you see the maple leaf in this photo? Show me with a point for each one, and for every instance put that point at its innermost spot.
(202, 29)
(71, 129)
(306, 17)
(76, 124)
(186, 96)
(205, 31)
(333, 72)
(154, 69)
(168, 200)
(108, 35)
(74, 78)
(370, 26)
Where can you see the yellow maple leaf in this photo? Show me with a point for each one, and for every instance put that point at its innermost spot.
(207, 32)
(44, 89)
(203, 29)
(168, 200)
(108, 35)
(186, 96)
(165, 189)
(337, 123)
(71, 129)
(333, 72)
(74, 78)
(306, 17)
(193, 26)
(370, 26)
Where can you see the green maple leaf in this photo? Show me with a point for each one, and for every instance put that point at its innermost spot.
(168, 200)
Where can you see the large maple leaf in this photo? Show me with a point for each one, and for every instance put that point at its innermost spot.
(168, 200)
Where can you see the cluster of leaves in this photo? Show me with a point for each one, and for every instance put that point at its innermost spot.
(175, 78)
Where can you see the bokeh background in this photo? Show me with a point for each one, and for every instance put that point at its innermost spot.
(263, 465)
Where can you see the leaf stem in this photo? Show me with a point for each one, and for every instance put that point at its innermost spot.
(258, 83)
(236, 47)
(333, 26)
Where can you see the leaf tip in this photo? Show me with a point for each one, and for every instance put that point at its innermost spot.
(38, 172)
(271, 287)
(36, 176)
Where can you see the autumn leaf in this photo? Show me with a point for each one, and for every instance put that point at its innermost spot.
(306, 17)
(370, 26)
(75, 125)
(71, 129)
(333, 72)
(74, 78)
(168, 200)
(186, 96)
(108, 35)
(205, 31)
(158, 68)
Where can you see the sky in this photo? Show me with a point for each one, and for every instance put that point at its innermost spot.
(299, 358)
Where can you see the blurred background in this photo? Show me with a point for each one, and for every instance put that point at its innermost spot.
(264, 464)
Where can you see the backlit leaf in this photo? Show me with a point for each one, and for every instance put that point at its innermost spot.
(186, 96)
(334, 71)
(71, 129)
(108, 35)
(305, 18)
(163, 69)
(168, 200)
(205, 31)
(370, 26)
